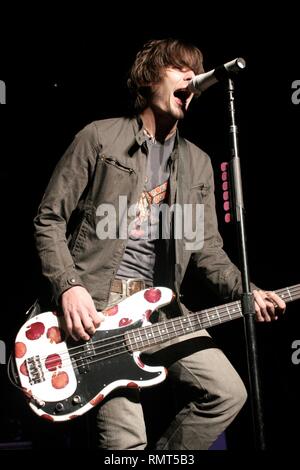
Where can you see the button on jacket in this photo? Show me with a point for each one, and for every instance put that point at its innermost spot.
(107, 159)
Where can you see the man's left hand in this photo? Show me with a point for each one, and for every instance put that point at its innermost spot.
(268, 305)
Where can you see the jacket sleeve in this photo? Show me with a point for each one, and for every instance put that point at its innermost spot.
(62, 194)
(214, 265)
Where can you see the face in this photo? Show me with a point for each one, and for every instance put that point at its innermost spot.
(170, 96)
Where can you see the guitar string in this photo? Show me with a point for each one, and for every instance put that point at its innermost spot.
(142, 330)
(205, 323)
(222, 308)
(166, 323)
(104, 353)
(219, 309)
(123, 346)
(176, 329)
(124, 351)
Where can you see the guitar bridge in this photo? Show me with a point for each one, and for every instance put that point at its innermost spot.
(35, 371)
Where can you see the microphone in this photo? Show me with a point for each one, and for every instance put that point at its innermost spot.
(203, 81)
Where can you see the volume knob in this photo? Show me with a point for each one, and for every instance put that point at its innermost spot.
(59, 406)
(76, 399)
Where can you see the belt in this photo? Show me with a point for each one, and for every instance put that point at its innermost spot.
(128, 287)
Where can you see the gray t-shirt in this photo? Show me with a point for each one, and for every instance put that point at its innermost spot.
(140, 253)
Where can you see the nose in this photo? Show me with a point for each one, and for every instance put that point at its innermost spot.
(188, 75)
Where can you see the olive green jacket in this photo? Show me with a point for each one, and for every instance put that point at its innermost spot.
(107, 159)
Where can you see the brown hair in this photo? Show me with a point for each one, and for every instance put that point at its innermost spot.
(150, 61)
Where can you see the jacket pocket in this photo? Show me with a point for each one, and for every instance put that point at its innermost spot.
(116, 164)
(200, 191)
(202, 187)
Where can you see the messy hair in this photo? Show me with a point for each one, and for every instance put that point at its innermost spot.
(150, 61)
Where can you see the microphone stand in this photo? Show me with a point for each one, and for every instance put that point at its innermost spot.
(247, 301)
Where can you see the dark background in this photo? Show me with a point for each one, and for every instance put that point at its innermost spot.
(62, 73)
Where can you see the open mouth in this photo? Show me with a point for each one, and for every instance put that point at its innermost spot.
(182, 95)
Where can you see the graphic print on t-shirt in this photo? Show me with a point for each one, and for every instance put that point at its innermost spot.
(147, 211)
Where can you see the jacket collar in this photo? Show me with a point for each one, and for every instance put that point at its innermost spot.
(141, 137)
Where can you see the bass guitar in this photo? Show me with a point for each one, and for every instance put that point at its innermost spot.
(63, 379)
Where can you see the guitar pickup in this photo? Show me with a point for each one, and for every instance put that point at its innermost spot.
(83, 357)
(35, 370)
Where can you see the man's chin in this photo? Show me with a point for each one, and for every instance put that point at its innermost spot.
(179, 113)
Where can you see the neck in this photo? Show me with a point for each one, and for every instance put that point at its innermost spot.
(159, 127)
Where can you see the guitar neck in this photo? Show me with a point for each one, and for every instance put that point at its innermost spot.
(141, 339)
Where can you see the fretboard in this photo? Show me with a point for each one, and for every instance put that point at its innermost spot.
(140, 339)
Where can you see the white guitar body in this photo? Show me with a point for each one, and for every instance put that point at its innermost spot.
(64, 379)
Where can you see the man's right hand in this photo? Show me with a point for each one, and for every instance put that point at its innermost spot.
(80, 313)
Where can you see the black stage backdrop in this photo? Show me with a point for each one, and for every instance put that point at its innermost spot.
(59, 79)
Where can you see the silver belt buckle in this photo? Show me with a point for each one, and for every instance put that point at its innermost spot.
(128, 287)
